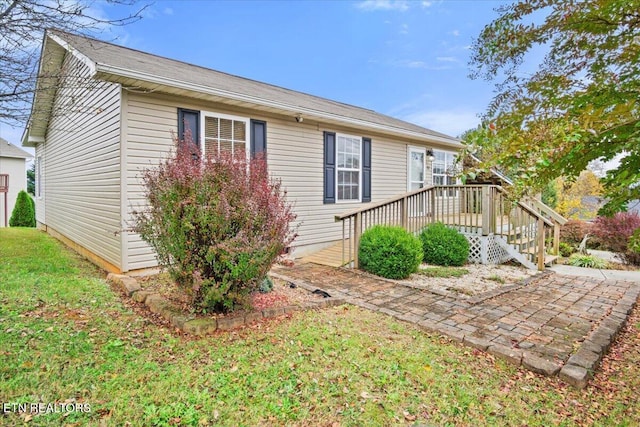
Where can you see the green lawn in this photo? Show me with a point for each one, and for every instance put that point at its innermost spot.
(65, 336)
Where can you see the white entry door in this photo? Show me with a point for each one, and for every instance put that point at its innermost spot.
(417, 159)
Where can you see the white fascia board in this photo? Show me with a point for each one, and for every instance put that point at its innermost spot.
(81, 57)
(123, 72)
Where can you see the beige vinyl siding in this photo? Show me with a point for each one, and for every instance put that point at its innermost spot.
(81, 156)
(295, 155)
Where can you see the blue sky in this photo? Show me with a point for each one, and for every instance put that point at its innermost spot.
(407, 59)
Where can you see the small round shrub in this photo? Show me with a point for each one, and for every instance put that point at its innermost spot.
(566, 249)
(390, 252)
(443, 245)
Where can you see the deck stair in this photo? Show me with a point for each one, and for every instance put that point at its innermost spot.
(497, 227)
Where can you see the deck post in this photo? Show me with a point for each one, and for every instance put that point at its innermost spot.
(356, 238)
(486, 210)
(405, 213)
(556, 238)
(540, 244)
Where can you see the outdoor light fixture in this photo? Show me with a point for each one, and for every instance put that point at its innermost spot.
(299, 118)
(430, 155)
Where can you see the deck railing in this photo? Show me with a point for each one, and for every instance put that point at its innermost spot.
(473, 209)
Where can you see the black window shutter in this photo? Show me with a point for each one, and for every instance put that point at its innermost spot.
(366, 169)
(189, 120)
(329, 167)
(258, 137)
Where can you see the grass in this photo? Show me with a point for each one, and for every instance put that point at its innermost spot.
(496, 278)
(66, 336)
(589, 261)
(443, 272)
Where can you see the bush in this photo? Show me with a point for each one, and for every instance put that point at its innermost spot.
(390, 252)
(566, 249)
(589, 261)
(24, 212)
(632, 255)
(574, 231)
(614, 232)
(443, 245)
(216, 224)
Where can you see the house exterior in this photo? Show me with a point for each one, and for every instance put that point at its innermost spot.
(13, 177)
(103, 113)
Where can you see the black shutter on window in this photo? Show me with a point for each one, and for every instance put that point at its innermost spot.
(329, 167)
(258, 137)
(366, 169)
(189, 120)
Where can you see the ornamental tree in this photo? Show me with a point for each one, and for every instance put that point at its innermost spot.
(579, 104)
(217, 223)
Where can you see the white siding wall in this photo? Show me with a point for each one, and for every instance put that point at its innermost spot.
(41, 207)
(17, 171)
(81, 156)
(295, 155)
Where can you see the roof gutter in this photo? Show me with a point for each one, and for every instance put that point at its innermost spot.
(103, 70)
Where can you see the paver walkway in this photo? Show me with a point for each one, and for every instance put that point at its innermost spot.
(552, 324)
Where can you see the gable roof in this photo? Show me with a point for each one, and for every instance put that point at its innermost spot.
(7, 149)
(138, 70)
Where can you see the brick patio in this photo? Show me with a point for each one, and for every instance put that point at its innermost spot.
(552, 324)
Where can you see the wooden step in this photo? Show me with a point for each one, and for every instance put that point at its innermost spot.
(550, 259)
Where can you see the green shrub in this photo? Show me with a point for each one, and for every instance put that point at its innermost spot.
(632, 255)
(390, 252)
(266, 285)
(24, 212)
(443, 245)
(217, 224)
(589, 261)
(566, 249)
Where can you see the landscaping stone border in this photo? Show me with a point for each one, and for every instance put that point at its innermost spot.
(456, 319)
(203, 326)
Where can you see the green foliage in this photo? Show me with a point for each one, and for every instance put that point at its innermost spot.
(443, 272)
(550, 194)
(579, 105)
(24, 212)
(266, 285)
(217, 224)
(566, 249)
(588, 261)
(443, 245)
(31, 180)
(632, 254)
(390, 252)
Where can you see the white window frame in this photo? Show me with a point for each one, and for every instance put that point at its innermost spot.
(342, 169)
(447, 166)
(39, 176)
(246, 120)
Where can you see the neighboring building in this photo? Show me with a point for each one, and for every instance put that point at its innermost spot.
(12, 166)
(103, 113)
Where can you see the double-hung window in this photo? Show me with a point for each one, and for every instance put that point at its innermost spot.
(215, 133)
(444, 168)
(222, 133)
(348, 165)
(347, 168)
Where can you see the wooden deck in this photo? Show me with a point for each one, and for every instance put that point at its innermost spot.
(331, 256)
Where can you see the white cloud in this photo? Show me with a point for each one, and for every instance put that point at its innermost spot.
(450, 122)
(455, 33)
(416, 64)
(404, 29)
(168, 11)
(446, 59)
(426, 3)
(371, 5)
